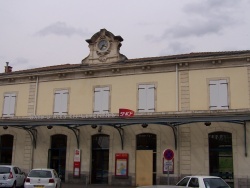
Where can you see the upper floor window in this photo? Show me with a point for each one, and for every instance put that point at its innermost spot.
(9, 104)
(218, 94)
(101, 100)
(146, 98)
(61, 102)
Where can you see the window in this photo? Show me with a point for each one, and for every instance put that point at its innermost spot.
(61, 102)
(218, 94)
(9, 104)
(101, 100)
(194, 182)
(146, 98)
(183, 182)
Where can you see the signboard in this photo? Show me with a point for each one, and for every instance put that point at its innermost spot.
(77, 163)
(168, 166)
(168, 154)
(123, 112)
(121, 164)
(168, 162)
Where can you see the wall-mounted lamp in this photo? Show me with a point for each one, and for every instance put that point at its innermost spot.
(144, 125)
(49, 127)
(117, 125)
(5, 127)
(93, 126)
(208, 123)
(100, 129)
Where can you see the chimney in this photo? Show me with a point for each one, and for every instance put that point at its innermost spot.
(8, 68)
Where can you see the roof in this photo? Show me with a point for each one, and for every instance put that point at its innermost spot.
(136, 60)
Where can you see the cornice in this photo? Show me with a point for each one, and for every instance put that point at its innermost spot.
(127, 67)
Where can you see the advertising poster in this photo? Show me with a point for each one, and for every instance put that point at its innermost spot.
(121, 164)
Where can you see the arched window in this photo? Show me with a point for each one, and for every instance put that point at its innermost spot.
(220, 154)
(146, 141)
(6, 148)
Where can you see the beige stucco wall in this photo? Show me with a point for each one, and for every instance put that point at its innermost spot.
(123, 93)
(238, 87)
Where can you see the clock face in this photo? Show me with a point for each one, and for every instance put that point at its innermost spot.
(103, 45)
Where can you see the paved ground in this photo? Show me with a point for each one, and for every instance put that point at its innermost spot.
(67, 185)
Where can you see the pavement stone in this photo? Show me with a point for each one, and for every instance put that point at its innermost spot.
(73, 185)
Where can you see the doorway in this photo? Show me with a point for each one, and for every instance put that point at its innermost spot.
(57, 154)
(100, 159)
(6, 148)
(146, 159)
(221, 156)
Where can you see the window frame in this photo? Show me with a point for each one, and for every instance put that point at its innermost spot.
(146, 86)
(9, 114)
(60, 92)
(101, 108)
(219, 103)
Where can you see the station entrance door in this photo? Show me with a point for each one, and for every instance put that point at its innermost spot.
(100, 159)
(57, 154)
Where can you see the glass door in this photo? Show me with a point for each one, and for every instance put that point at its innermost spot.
(100, 159)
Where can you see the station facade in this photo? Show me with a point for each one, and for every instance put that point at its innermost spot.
(109, 119)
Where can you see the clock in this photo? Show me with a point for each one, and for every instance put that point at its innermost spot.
(103, 45)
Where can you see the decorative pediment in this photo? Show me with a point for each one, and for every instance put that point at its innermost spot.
(104, 48)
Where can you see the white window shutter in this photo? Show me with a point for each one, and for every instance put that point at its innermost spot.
(61, 102)
(146, 96)
(101, 103)
(98, 100)
(218, 94)
(223, 98)
(142, 103)
(105, 99)
(57, 103)
(6, 105)
(9, 105)
(150, 98)
(12, 104)
(64, 101)
(214, 93)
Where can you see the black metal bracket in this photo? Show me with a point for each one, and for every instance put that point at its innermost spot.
(77, 134)
(119, 128)
(173, 126)
(33, 134)
(175, 135)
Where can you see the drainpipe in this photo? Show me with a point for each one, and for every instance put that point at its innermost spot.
(36, 93)
(177, 88)
(178, 129)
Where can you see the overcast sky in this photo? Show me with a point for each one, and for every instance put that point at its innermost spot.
(42, 33)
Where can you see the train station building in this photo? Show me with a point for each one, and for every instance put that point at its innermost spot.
(119, 121)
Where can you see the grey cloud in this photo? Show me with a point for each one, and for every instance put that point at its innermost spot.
(61, 29)
(204, 18)
(197, 28)
(176, 48)
(211, 7)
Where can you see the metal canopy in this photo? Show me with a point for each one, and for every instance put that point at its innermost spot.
(172, 120)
